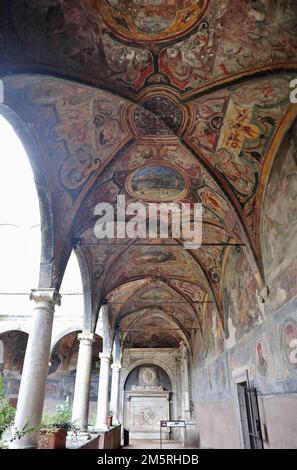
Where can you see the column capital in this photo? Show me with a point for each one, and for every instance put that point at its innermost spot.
(86, 336)
(116, 366)
(105, 356)
(46, 295)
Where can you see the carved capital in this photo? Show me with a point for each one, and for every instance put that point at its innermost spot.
(104, 356)
(86, 336)
(48, 296)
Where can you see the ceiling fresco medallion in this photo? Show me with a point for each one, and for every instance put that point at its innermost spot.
(151, 20)
(158, 115)
(157, 183)
(155, 255)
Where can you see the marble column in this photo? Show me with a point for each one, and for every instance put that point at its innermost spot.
(185, 385)
(102, 409)
(80, 409)
(35, 370)
(115, 389)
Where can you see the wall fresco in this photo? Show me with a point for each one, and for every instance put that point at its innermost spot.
(289, 345)
(269, 353)
(62, 371)
(14, 348)
(279, 223)
(239, 290)
(212, 331)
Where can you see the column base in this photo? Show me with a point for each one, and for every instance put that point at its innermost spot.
(102, 427)
(83, 435)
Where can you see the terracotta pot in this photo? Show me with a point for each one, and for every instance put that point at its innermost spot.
(13, 402)
(49, 440)
(109, 421)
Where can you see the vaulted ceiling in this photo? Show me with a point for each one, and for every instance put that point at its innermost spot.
(115, 91)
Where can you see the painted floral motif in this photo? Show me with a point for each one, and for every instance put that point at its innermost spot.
(190, 62)
(158, 115)
(127, 65)
(207, 123)
(234, 133)
(78, 166)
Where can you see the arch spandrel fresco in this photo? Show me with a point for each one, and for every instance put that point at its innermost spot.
(234, 133)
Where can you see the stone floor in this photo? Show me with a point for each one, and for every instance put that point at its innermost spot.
(154, 444)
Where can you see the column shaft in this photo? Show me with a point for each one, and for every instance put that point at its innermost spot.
(80, 409)
(35, 370)
(102, 409)
(114, 399)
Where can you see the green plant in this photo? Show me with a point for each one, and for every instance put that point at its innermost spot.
(93, 421)
(7, 413)
(61, 419)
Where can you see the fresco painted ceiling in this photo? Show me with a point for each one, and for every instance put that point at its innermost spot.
(115, 94)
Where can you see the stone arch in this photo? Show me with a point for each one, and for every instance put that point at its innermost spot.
(14, 343)
(59, 336)
(5, 329)
(156, 362)
(63, 368)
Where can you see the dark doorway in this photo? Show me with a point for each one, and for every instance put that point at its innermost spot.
(249, 416)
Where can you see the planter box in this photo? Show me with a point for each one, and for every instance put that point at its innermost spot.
(52, 440)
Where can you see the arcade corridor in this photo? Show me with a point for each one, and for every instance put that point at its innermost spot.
(162, 137)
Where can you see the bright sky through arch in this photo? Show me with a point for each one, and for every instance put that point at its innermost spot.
(19, 216)
(20, 240)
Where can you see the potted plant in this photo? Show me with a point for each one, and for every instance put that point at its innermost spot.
(54, 428)
(8, 433)
(109, 418)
